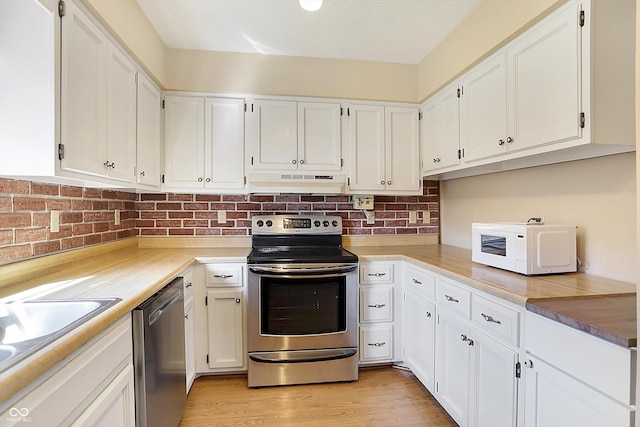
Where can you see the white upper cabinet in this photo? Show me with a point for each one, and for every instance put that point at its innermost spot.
(384, 145)
(294, 136)
(224, 143)
(149, 139)
(204, 143)
(440, 130)
(319, 136)
(483, 110)
(183, 141)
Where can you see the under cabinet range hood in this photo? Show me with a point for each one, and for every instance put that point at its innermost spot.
(296, 183)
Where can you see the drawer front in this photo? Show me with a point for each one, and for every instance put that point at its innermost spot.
(376, 304)
(376, 343)
(453, 298)
(496, 319)
(222, 275)
(420, 282)
(376, 272)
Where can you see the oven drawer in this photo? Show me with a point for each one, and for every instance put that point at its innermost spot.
(376, 343)
(376, 273)
(376, 304)
(223, 275)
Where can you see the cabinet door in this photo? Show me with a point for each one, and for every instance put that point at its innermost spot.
(121, 116)
(273, 132)
(544, 83)
(319, 137)
(84, 94)
(114, 406)
(494, 384)
(184, 141)
(367, 147)
(440, 130)
(452, 366)
(224, 321)
(483, 110)
(402, 157)
(555, 399)
(190, 342)
(224, 143)
(419, 337)
(149, 142)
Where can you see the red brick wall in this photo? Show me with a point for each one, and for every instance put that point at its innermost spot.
(177, 214)
(86, 217)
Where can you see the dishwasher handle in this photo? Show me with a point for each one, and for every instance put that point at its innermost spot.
(157, 313)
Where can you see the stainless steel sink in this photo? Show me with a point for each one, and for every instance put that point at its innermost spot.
(27, 326)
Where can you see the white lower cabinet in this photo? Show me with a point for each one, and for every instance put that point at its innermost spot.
(94, 387)
(575, 379)
(220, 318)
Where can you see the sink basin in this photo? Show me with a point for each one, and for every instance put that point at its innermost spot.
(27, 326)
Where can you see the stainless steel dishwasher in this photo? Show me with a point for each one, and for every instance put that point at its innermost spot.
(159, 358)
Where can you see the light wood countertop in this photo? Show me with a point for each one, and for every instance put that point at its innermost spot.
(133, 271)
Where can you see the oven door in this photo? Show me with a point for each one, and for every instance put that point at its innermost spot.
(299, 307)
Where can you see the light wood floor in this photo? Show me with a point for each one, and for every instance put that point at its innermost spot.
(381, 397)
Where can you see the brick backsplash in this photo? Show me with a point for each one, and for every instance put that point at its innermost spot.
(182, 214)
(87, 215)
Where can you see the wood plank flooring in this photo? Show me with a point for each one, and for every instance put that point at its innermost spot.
(381, 397)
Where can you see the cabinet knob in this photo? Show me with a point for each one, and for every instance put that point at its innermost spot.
(382, 182)
(509, 140)
(293, 161)
(208, 180)
(388, 182)
(501, 142)
(302, 162)
(237, 300)
(528, 363)
(200, 179)
(464, 338)
(470, 341)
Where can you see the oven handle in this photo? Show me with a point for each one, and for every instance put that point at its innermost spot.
(328, 271)
(302, 356)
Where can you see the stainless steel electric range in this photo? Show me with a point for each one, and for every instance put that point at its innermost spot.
(303, 302)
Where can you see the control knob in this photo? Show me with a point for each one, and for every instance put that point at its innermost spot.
(316, 223)
(334, 223)
(269, 223)
(325, 223)
(260, 223)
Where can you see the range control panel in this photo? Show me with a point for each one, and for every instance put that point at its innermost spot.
(296, 224)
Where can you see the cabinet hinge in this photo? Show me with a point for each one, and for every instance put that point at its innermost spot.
(206, 302)
(61, 9)
(341, 163)
(245, 107)
(459, 154)
(582, 120)
(252, 108)
(420, 115)
(436, 387)
(518, 370)
(251, 160)
(341, 111)
(348, 112)
(60, 151)
(348, 181)
(207, 359)
(458, 92)
(163, 178)
(163, 104)
(245, 180)
(581, 18)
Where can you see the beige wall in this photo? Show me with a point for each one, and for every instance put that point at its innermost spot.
(597, 195)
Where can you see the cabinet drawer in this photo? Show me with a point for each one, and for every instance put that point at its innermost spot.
(420, 282)
(376, 343)
(376, 272)
(454, 298)
(376, 304)
(496, 319)
(219, 275)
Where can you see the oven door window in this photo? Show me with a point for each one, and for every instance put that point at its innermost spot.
(494, 245)
(299, 306)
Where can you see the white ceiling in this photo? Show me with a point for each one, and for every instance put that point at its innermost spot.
(397, 31)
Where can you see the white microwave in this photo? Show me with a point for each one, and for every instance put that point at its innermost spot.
(525, 248)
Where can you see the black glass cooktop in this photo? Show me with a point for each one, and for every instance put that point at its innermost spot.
(296, 254)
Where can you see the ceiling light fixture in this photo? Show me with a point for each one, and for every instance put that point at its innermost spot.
(311, 5)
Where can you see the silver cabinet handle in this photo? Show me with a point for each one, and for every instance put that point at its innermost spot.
(223, 276)
(464, 338)
(450, 298)
(377, 305)
(377, 274)
(186, 316)
(302, 162)
(113, 165)
(470, 341)
(110, 165)
(377, 344)
(428, 314)
(200, 179)
(490, 319)
(237, 300)
(528, 363)
(509, 140)
(501, 142)
(417, 282)
(188, 285)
